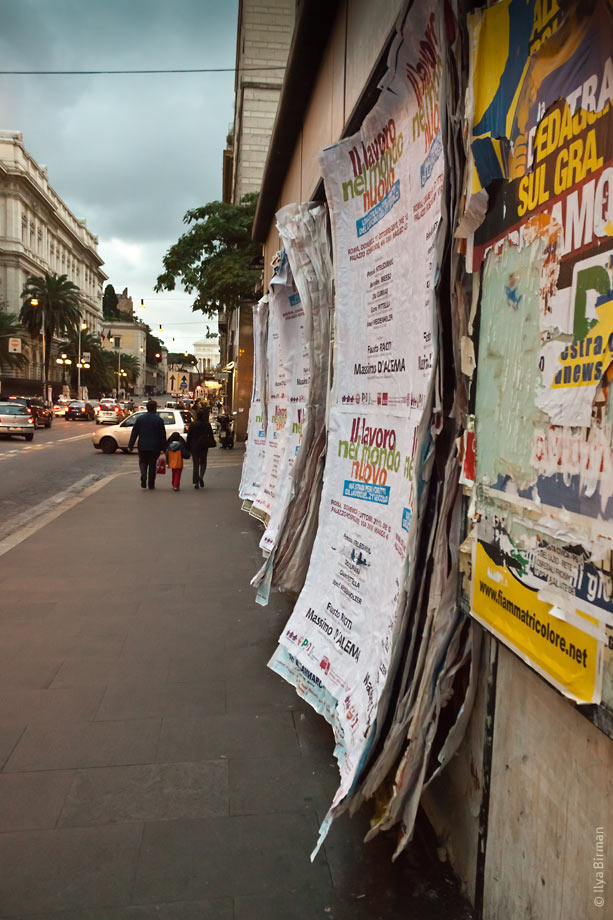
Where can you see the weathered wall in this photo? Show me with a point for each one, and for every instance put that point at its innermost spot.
(551, 787)
(356, 41)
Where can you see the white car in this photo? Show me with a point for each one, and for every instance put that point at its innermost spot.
(176, 421)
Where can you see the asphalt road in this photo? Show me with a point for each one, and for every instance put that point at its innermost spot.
(57, 458)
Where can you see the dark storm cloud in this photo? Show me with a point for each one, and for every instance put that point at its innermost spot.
(129, 153)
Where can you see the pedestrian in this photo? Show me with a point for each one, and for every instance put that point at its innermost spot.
(149, 431)
(177, 452)
(199, 438)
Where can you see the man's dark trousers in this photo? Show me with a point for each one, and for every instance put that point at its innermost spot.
(147, 460)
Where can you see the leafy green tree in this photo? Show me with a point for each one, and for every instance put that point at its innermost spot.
(109, 303)
(153, 346)
(58, 301)
(10, 328)
(216, 258)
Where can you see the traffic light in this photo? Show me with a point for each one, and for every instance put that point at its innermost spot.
(158, 356)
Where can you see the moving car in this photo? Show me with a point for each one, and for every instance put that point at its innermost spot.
(78, 409)
(40, 410)
(109, 414)
(15, 419)
(176, 421)
(60, 406)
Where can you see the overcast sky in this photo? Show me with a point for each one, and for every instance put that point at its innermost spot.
(129, 153)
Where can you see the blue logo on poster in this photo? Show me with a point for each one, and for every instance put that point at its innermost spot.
(294, 299)
(367, 491)
(429, 163)
(366, 223)
(407, 514)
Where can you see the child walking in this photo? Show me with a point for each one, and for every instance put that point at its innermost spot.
(177, 451)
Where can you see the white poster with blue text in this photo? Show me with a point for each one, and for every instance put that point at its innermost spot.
(383, 187)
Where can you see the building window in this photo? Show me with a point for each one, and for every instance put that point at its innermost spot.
(117, 341)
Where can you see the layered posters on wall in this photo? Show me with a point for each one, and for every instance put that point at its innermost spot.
(542, 146)
(383, 187)
(255, 448)
(288, 374)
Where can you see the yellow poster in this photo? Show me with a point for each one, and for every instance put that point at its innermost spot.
(563, 654)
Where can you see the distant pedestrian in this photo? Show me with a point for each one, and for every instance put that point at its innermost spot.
(199, 438)
(149, 431)
(177, 452)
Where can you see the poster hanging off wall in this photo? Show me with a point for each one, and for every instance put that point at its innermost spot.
(288, 382)
(383, 187)
(255, 449)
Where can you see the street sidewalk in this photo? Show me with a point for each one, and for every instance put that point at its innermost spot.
(151, 765)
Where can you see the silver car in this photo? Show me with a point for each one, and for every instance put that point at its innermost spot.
(15, 418)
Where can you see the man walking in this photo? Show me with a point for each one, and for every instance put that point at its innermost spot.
(150, 433)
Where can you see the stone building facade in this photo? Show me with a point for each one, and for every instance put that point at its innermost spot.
(39, 233)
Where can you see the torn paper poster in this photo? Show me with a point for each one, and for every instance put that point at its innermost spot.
(541, 86)
(567, 656)
(573, 370)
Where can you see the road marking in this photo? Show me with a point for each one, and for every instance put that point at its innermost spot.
(50, 509)
(5, 455)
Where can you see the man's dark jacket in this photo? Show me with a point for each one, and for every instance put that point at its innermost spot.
(150, 431)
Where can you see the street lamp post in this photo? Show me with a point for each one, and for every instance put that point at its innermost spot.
(82, 326)
(34, 303)
(63, 360)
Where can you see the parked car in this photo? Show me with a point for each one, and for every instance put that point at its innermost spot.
(110, 414)
(40, 410)
(78, 409)
(176, 421)
(16, 419)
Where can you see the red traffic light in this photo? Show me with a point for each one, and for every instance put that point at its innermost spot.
(158, 356)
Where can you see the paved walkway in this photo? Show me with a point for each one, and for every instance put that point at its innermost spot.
(151, 765)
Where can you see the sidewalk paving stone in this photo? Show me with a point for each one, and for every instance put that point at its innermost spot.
(70, 745)
(151, 792)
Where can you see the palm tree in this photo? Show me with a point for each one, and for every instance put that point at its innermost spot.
(131, 366)
(99, 376)
(58, 301)
(10, 328)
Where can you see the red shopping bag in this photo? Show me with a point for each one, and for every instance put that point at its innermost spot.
(161, 467)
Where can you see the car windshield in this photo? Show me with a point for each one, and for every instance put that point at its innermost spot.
(77, 402)
(12, 409)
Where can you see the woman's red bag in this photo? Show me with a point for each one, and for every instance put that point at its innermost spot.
(161, 467)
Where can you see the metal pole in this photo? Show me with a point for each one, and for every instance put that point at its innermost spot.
(79, 366)
(44, 354)
(118, 370)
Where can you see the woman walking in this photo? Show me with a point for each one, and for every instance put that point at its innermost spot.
(199, 438)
